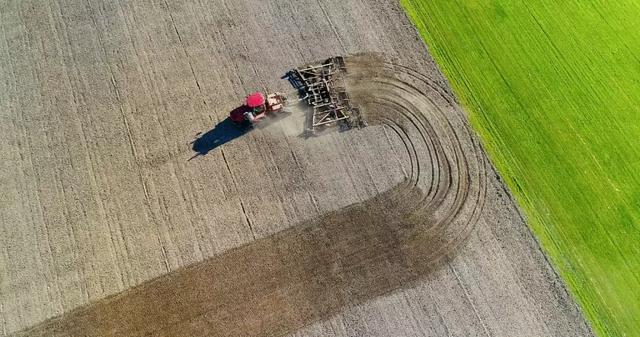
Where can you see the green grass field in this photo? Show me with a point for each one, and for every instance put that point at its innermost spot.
(553, 88)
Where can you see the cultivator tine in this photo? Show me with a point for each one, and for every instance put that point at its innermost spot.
(322, 87)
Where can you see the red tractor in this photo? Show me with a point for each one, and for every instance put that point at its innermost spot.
(257, 107)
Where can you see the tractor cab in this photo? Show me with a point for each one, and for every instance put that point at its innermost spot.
(256, 107)
(257, 103)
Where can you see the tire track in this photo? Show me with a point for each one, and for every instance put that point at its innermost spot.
(457, 191)
(309, 272)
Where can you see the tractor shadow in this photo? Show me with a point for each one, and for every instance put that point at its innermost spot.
(225, 132)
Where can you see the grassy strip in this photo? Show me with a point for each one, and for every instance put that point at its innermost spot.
(553, 88)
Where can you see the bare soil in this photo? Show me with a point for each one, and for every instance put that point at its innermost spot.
(111, 227)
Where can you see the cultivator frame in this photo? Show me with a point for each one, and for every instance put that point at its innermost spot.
(322, 87)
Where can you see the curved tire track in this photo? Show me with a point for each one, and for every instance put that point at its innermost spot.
(425, 117)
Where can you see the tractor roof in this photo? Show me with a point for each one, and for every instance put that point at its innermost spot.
(255, 100)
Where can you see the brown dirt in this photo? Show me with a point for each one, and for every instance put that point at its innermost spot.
(348, 234)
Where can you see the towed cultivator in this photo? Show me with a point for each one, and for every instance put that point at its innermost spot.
(322, 87)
